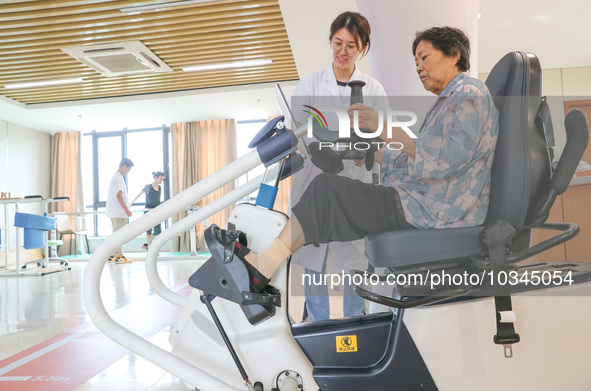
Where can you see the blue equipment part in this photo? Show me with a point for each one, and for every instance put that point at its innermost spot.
(34, 228)
(274, 141)
(267, 195)
(277, 147)
(266, 132)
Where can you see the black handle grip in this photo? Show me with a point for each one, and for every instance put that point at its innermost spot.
(356, 91)
(357, 97)
(577, 138)
(33, 196)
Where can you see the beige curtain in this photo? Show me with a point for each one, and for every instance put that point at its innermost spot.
(198, 150)
(66, 177)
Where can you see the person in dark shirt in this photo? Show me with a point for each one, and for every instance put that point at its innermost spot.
(152, 191)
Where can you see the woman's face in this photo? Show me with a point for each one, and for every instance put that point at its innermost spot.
(435, 69)
(345, 49)
(159, 179)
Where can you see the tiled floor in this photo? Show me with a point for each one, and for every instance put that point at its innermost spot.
(48, 342)
(50, 308)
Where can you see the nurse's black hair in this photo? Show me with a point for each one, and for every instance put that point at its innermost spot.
(356, 24)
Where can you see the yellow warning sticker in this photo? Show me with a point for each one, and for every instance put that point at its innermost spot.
(346, 343)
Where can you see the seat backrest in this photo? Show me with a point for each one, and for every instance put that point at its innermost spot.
(63, 224)
(521, 169)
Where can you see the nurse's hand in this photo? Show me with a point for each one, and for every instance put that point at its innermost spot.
(367, 117)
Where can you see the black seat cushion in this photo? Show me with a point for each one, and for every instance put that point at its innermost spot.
(519, 164)
(414, 246)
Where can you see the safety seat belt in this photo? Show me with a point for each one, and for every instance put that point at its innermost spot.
(495, 238)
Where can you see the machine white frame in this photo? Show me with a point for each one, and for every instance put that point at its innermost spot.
(454, 339)
(92, 295)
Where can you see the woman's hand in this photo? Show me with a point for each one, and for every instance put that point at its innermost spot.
(359, 162)
(367, 117)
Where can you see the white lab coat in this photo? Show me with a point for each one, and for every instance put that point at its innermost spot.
(319, 90)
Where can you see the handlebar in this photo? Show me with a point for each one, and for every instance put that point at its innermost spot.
(330, 160)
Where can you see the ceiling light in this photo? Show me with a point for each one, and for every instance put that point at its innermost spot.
(44, 83)
(237, 64)
(163, 5)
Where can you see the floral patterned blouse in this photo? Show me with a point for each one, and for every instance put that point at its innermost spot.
(447, 183)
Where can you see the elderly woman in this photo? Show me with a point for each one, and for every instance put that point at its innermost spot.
(441, 178)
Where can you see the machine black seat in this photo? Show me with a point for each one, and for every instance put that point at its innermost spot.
(408, 247)
(523, 184)
(521, 159)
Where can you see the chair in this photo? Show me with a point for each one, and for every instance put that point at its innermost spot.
(523, 188)
(36, 230)
(64, 227)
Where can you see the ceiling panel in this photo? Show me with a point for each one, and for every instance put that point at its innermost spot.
(33, 32)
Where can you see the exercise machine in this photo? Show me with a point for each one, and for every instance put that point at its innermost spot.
(515, 326)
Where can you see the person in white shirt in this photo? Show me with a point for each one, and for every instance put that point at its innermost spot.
(349, 39)
(116, 208)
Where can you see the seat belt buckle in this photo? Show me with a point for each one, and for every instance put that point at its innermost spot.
(508, 349)
(507, 344)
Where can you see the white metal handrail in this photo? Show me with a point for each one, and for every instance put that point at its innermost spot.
(91, 289)
(183, 225)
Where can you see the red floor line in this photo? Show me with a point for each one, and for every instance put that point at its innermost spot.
(72, 358)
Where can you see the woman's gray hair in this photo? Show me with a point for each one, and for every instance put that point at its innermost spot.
(449, 41)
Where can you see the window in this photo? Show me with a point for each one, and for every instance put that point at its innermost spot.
(109, 154)
(149, 150)
(245, 132)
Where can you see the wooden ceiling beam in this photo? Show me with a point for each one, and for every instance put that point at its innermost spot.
(26, 9)
(115, 22)
(171, 87)
(33, 32)
(49, 69)
(196, 57)
(15, 8)
(97, 12)
(121, 82)
(237, 30)
(93, 80)
(171, 45)
(127, 28)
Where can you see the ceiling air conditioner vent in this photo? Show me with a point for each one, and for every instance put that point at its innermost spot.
(119, 59)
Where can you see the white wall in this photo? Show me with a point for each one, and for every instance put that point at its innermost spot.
(24, 168)
(394, 25)
(308, 32)
(3, 156)
(559, 85)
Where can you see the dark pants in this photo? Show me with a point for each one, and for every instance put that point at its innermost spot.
(155, 231)
(336, 208)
